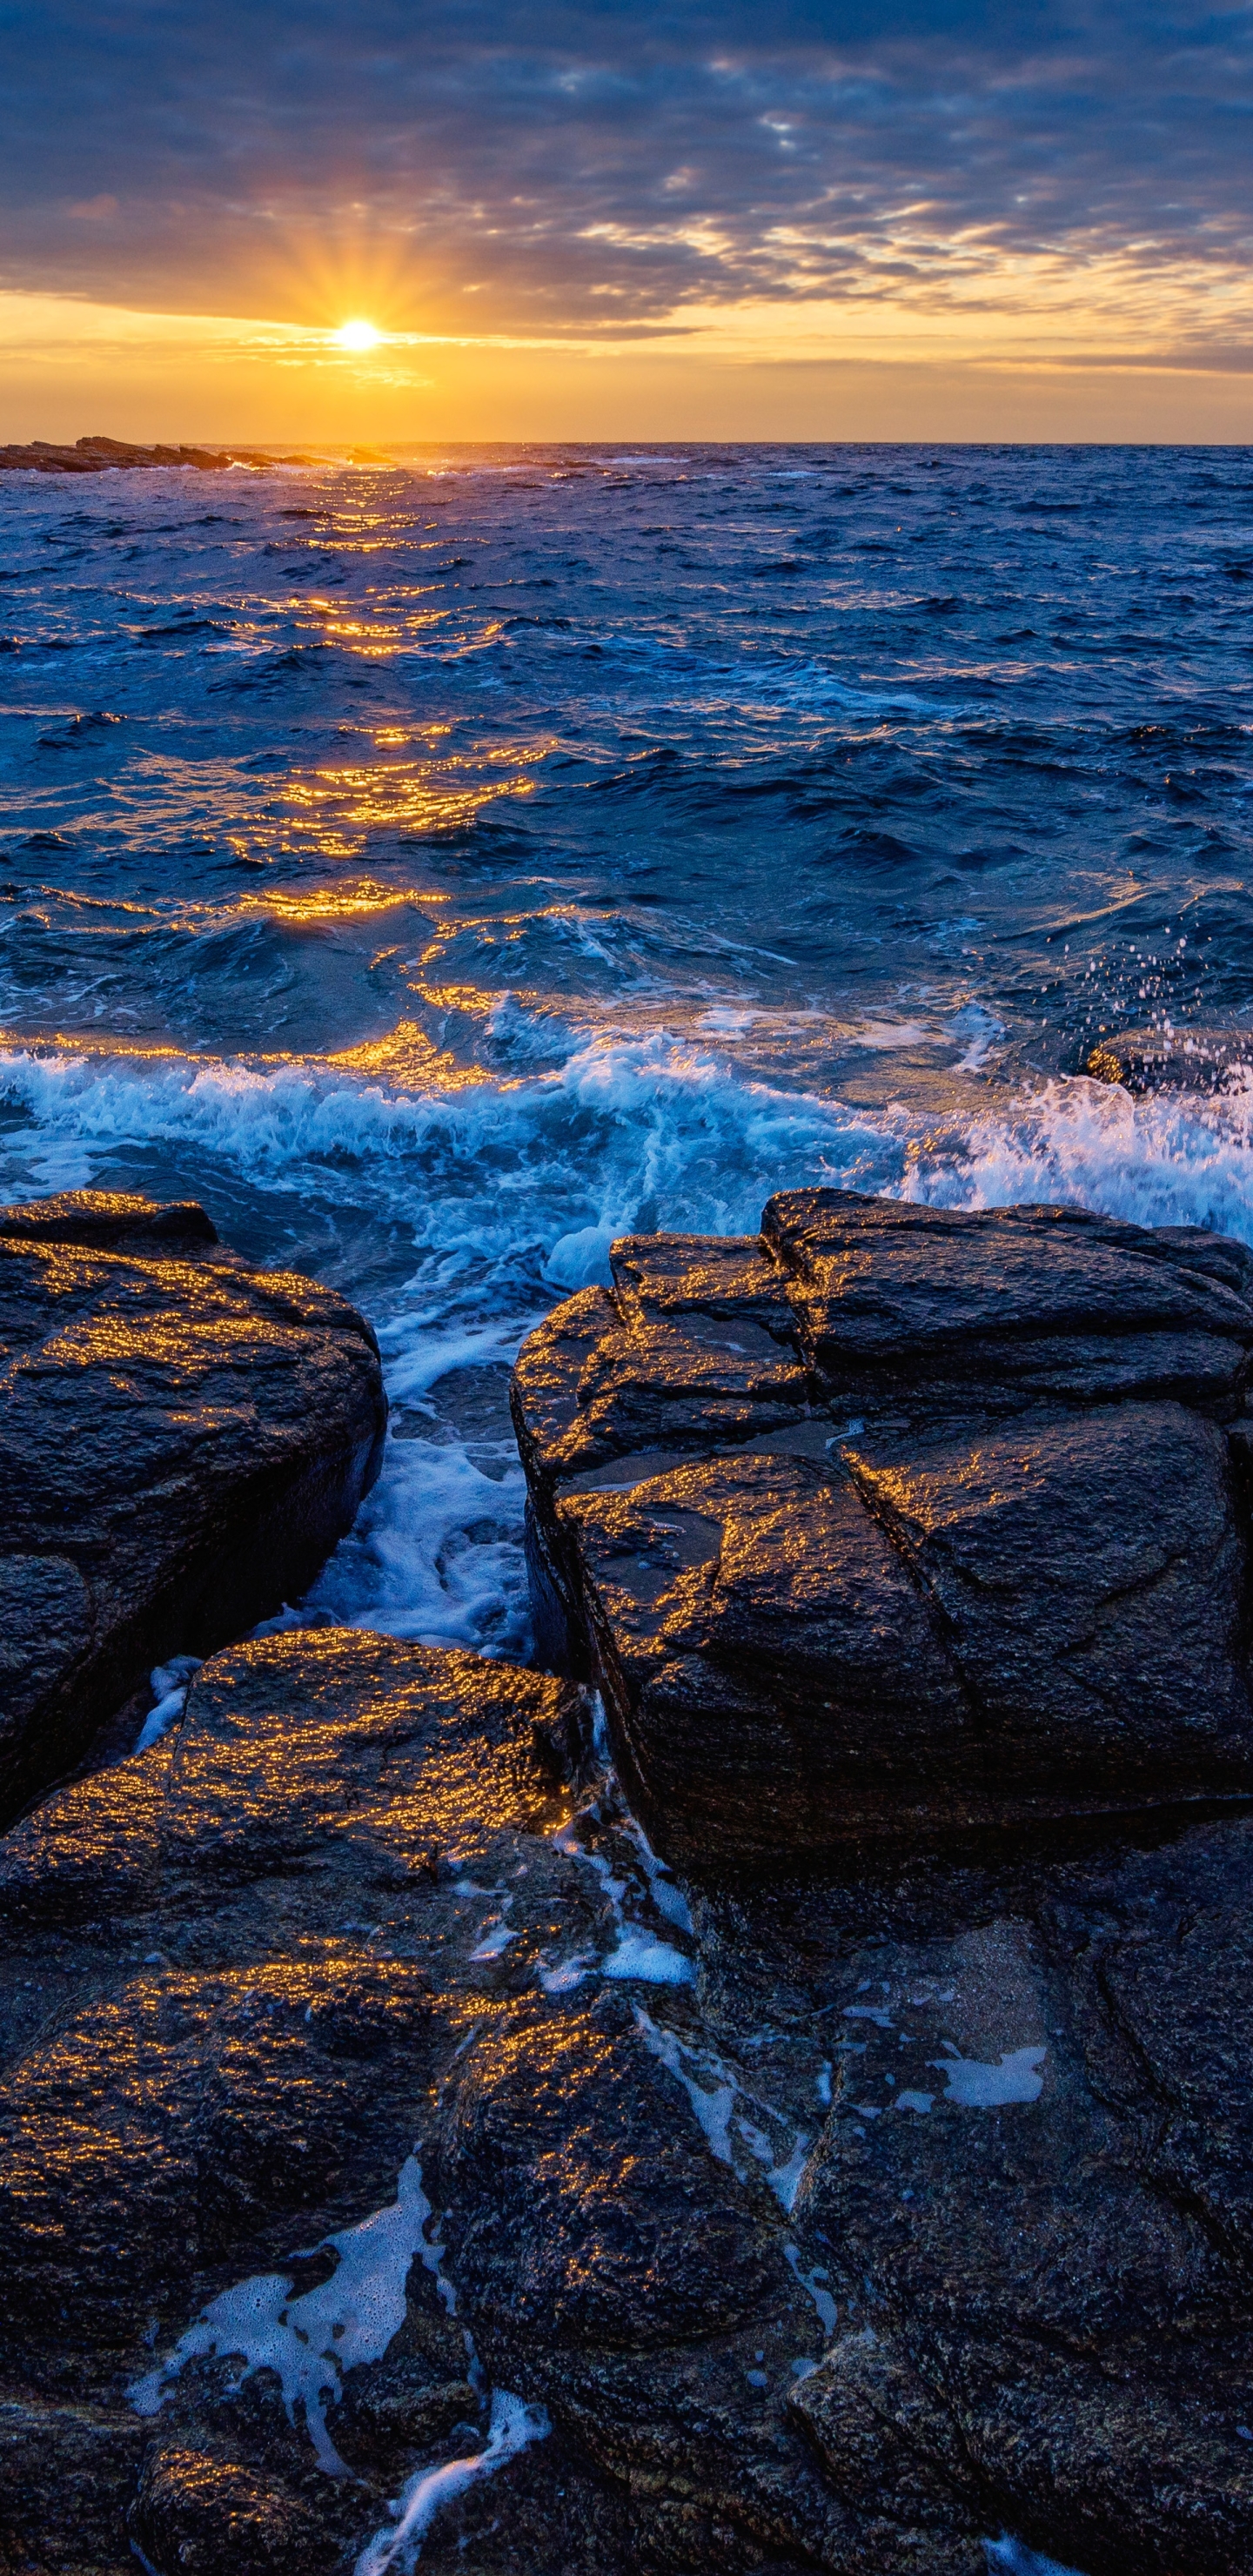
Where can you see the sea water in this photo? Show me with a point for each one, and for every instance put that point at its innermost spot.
(440, 868)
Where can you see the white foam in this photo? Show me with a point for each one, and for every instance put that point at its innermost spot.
(508, 1185)
(718, 2099)
(654, 1962)
(579, 1259)
(984, 2087)
(512, 2426)
(436, 1553)
(1013, 2558)
(813, 2283)
(638, 1953)
(567, 1974)
(1169, 1159)
(622, 1121)
(666, 1894)
(713, 2104)
(310, 2342)
(170, 1684)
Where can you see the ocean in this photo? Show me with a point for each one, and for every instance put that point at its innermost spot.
(443, 867)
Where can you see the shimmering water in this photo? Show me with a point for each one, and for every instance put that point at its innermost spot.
(441, 869)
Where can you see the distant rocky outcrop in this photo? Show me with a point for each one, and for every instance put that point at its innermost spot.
(182, 1442)
(897, 1524)
(103, 455)
(97, 455)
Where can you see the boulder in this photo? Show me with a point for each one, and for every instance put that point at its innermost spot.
(183, 1440)
(901, 1522)
(391, 2158)
(343, 2114)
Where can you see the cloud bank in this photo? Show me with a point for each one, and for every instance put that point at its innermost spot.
(623, 169)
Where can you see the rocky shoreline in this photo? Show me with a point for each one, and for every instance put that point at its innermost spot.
(829, 2149)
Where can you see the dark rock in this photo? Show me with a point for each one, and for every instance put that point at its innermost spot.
(183, 1441)
(226, 2108)
(941, 1311)
(1186, 1059)
(619, 2231)
(757, 1638)
(112, 1221)
(99, 455)
(349, 1941)
(967, 1553)
(1039, 2178)
(377, 2108)
(248, 1980)
(213, 2517)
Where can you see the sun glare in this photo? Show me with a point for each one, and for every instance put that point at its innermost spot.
(358, 335)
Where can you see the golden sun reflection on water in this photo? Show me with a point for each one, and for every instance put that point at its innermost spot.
(406, 1056)
(353, 901)
(409, 1057)
(333, 811)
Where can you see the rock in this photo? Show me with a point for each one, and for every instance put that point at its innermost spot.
(1039, 2176)
(901, 1523)
(113, 1221)
(1010, 1307)
(98, 455)
(398, 2157)
(183, 1441)
(346, 1983)
(361, 2083)
(199, 2513)
(1187, 1059)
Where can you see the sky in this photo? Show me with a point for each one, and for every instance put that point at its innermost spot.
(768, 218)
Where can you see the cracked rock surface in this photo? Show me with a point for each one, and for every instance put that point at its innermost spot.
(387, 2133)
(900, 1522)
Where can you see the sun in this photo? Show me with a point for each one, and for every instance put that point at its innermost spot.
(358, 335)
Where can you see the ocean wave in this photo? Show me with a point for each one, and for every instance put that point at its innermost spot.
(508, 1194)
(623, 1135)
(1170, 1159)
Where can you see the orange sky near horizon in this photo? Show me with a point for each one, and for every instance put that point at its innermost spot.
(1014, 356)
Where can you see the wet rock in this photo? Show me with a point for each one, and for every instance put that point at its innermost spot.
(1186, 1059)
(586, 2215)
(756, 1633)
(996, 1311)
(1037, 2174)
(226, 2107)
(365, 2074)
(211, 2516)
(182, 1442)
(354, 2073)
(114, 1221)
(900, 1523)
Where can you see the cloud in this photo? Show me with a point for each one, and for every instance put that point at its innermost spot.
(612, 168)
